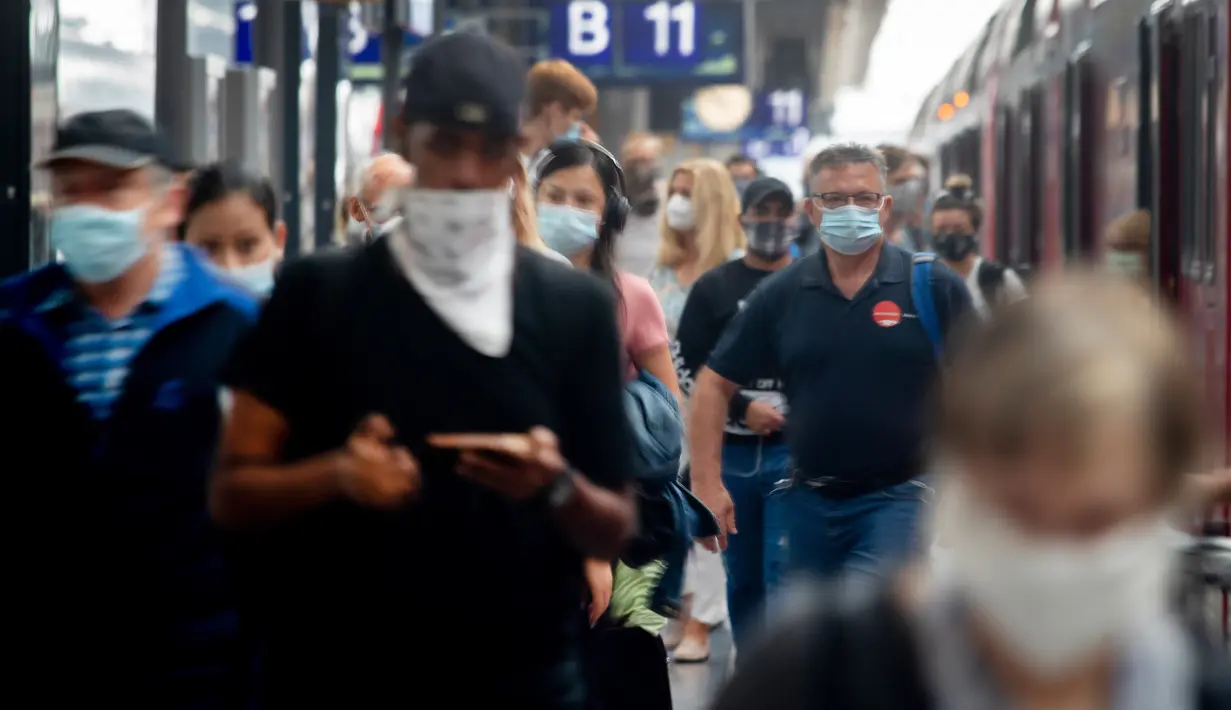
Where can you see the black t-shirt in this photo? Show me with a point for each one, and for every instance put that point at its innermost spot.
(714, 300)
(380, 609)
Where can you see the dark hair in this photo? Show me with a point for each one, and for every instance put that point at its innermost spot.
(216, 181)
(741, 159)
(565, 154)
(959, 194)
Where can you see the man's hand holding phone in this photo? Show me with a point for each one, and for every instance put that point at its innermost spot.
(519, 466)
(375, 471)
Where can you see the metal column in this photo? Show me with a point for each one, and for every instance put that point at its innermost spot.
(391, 60)
(328, 69)
(277, 45)
(171, 110)
(16, 138)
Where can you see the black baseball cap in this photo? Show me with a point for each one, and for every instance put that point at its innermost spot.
(118, 139)
(767, 188)
(466, 80)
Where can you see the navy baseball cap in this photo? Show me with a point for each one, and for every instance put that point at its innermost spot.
(118, 139)
(468, 81)
(767, 188)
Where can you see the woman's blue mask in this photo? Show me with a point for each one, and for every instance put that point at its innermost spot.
(98, 244)
(851, 229)
(573, 133)
(567, 230)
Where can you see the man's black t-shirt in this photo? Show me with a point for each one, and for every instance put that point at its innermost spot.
(714, 300)
(361, 608)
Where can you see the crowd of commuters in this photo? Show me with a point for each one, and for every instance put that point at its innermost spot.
(331, 482)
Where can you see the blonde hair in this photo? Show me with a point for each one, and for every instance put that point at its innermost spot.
(525, 217)
(1129, 232)
(717, 231)
(1046, 369)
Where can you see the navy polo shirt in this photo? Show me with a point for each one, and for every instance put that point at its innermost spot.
(857, 372)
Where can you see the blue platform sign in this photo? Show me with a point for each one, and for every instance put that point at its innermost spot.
(676, 41)
(245, 18)
(773, 128)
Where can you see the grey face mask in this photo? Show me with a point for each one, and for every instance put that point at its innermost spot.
(906, 196)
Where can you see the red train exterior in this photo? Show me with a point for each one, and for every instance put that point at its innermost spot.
(1071, 113)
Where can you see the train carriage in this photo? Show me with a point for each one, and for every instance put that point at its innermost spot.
(1072, 113)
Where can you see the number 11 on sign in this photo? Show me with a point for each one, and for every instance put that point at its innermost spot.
(661, 14)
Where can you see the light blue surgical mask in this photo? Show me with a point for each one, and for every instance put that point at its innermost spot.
(851, 229)
(258, 277)
(98, 244)
(567, 230)
(573, 133)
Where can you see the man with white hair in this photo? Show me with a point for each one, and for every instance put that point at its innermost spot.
(373, 200)
(642, 161)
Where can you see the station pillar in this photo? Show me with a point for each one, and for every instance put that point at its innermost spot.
(16, 138)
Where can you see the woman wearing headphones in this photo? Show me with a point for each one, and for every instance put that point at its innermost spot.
(581, 211)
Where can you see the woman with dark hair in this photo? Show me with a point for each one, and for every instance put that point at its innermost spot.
(581, 211)
(232, 215)
(957, 215)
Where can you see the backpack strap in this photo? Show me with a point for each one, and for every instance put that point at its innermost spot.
(925, 302)
(991, 281)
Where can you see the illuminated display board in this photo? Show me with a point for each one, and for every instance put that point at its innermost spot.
(776, 125)
(678, 41)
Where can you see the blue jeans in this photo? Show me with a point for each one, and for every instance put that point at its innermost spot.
(867, 536)
(758, 479)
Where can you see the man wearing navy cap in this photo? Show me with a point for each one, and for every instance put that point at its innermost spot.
(112, 360)
(428, 434)
(754, 453)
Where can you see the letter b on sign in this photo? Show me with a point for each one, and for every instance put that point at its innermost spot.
(589, 29)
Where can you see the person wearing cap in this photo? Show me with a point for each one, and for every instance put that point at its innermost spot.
(373, 202)
(429, 433)
(113, 358)
(754, 453)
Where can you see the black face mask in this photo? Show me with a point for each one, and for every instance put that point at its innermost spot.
(956, 247)
(642, 189)
(768, 240)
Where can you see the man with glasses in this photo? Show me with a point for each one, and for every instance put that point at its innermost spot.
(857, 366)
(374, 203)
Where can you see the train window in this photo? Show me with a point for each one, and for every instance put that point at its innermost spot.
(1025, 28)
(1192, 88)
(1078, 239)
(1210, 91)
(1035, 146)
(1005, 156)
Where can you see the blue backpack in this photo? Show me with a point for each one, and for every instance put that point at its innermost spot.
(925, 301)
(671, 517)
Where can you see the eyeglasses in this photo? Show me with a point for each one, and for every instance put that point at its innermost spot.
(834, 200)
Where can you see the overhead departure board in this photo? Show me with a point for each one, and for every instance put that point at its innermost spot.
(664, 41)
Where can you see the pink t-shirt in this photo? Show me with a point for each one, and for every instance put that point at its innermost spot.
(642, 323)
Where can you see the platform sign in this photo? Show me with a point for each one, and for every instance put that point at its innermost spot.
(791, 147)
(775, 123)
(245, 19)
(677, 41)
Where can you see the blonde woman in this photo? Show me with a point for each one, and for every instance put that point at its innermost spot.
(700, 230)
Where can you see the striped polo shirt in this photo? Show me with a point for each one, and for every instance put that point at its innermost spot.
(98, 351)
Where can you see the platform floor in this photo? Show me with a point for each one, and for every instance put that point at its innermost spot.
(694, 685)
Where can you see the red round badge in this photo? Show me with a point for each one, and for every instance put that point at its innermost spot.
(886, 314)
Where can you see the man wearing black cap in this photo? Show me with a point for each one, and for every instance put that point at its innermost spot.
(112, 360)
(754, 455)
(429, 434)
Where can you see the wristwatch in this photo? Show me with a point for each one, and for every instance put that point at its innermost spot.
(560, 491)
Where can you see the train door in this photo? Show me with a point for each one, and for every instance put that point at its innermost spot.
(1029, 219)
(1078, 209)
(1159, 191)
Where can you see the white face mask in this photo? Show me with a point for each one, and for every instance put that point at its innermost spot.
(258, 277)
(679, 213)
(457, 249)
(1055, 602)
(384, 210)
